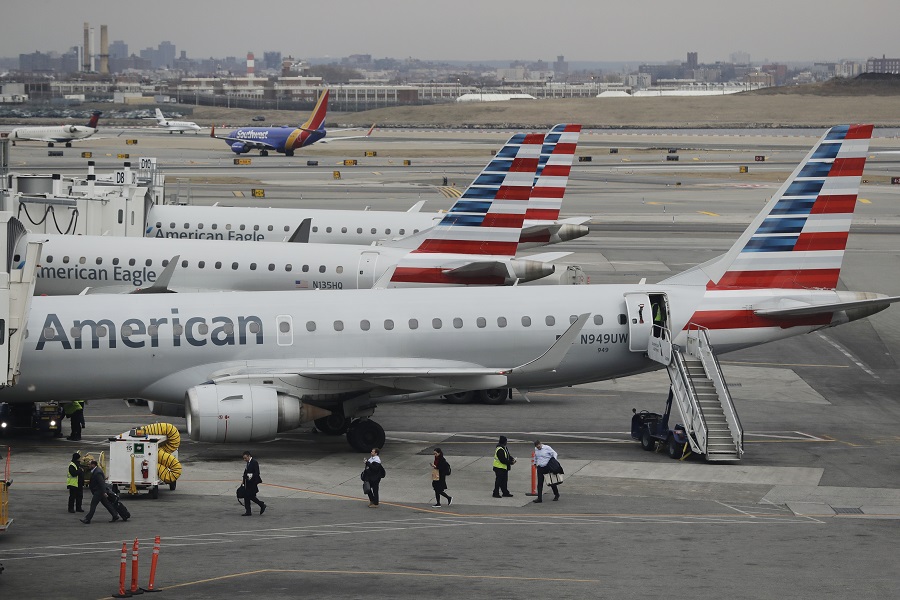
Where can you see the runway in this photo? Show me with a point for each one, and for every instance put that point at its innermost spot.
(810, 512)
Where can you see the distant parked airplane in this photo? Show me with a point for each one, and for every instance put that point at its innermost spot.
(173, 126)
(56, 133)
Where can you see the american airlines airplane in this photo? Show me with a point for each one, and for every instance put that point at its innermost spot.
(247, 365)
(474, 244)
(542, 223)
(173, 126)
(56, 133)
(284, 139)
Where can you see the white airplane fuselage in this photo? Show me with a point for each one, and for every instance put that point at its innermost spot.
(157, 347)
(52, 133)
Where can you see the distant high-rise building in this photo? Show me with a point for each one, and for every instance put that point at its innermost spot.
(166, 56)
(740, 58)
(272, 60)
(118, 49)
(560, 67)
(692, 60)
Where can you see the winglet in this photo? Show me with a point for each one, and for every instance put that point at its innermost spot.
(551, 359)
(161, 285)
(371, 129)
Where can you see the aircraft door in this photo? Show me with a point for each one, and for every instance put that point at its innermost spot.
(285, 327)
(640, 321)
(366, 271)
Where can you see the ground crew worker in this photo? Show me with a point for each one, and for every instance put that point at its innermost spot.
(658, 321)
(75, 483)
(503, 461)
(75, 412)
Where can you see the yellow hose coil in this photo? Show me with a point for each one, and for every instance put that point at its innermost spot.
(168, 467)
(173, 438)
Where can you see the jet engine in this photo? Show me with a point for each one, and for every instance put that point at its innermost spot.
(529, 270)
(243, 413)
(73, 129)
(240, 148)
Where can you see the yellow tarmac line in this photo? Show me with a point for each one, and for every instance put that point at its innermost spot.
(711, 214)
(864, 201)
(382, 573)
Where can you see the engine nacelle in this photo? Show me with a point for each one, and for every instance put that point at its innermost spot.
(164, 409)
(233, 412)
(240, 148)
(529, 270)
(568, 232)
(73, 129)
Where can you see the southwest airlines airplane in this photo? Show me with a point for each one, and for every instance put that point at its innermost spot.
(56, 133)
(284, 139)
(247, 365)
(474, 244)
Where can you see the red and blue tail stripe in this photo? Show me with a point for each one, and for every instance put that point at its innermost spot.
(554, 167)
(800, 241)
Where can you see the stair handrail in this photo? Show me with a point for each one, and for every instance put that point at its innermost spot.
(707, 356)
(698, 442)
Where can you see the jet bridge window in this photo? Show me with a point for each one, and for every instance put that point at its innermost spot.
(526, 321)
(413, 323)
(310, 326)
(338, 325)
(550, 320)
(481, 322)
(501, 321)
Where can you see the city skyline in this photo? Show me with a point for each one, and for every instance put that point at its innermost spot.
(580, 30)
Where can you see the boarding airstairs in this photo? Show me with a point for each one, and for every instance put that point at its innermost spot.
(16, 288)
(699, 389)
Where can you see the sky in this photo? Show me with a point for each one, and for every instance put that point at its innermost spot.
(470, 30)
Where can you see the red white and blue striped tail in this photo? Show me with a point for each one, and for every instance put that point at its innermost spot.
(554, 166)
(485, 222)
(798, 239)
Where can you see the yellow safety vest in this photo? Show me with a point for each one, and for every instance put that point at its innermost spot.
(497, 463)
(72, 481)
(72, 407)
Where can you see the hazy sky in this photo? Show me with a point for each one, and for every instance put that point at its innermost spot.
(592, 30)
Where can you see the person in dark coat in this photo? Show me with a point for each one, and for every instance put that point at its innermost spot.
(440, 468)
(97, 485)
(503, 462)
(251, 484)
(75, 483)
(373, 473)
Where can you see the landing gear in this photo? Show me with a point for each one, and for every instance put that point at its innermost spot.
(68, 144)
(288, 152)
(494, 395)
(333, 424)
(460, 397)
(365, 434)
(263, 152)
(50, 144)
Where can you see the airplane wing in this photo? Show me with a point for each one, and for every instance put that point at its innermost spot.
(348, 137)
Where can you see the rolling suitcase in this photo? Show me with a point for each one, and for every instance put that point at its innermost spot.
(123, 512)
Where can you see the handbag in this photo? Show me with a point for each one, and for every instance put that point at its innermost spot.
(367, 487)
(555, 478)
(241, 492)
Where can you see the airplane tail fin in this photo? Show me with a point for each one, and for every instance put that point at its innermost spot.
(317, 119)
(554, 167)
(95, 118)
(160, 119)
(798, 239)
(486, 221)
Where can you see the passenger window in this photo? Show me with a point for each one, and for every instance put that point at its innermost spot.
(187, 225)
(501, 321)
(328, 230)
(158, 225)
(339, 269)
(387, 232)
(184, 264)
(228, 227)
(321, 268)
(243, 227)
(165, 264)
(253, 327)
(343, 230)
(284, 327)
(598, 319)
(270, 228)
(373, 231)
(75, 332)
(201, 264)
(203, 329)
(457, 323)
(171, 225)
(359, 230)
(234, 266)
(65, 260)
(305, 269)
(256, 228)
(526, 321)
(218, 264)
(388, 324)
(271, 266)
(338, 325)
(149, 263)
(287, 228)
(115, 261)
(623, 320)
(82, 260)
(572, 319)
(413, 323)
(99, 260)
(415, 231)
(215, 225)
(364, 325)
(131, 261)
(288, 267)
(402, 231)
(199, 225)
(481, 322)
(436, 323)
(252, 266)
(310, 325)
(550, 321)
(49, 259)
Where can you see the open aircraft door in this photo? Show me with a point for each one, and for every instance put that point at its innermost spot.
(366, 271)
(16, 289)
(640, 321)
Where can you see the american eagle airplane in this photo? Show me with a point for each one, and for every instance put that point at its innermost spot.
(284, 139)
(247, 365)
(474, 244)
(56, 133)
(542, 223)
(173, 126)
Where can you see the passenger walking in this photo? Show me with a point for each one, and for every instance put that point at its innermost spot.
(373, 473)
(251, 485)
(503, 462)
(543, 453)
(440, 468)
(97, 485)
(75, 483)
(75, 412)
